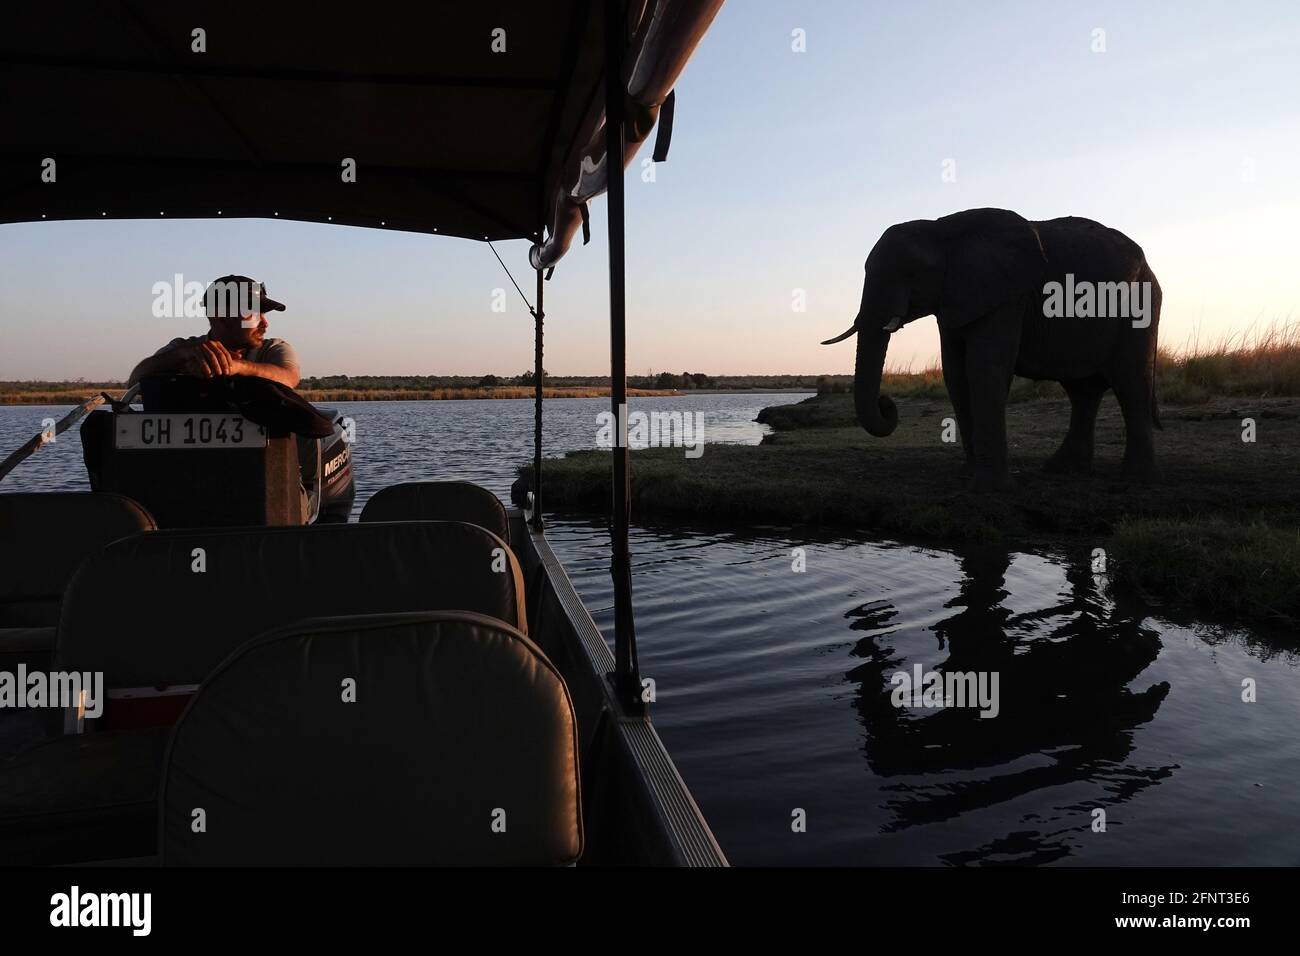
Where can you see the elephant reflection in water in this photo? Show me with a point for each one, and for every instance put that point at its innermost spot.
(1066, 714)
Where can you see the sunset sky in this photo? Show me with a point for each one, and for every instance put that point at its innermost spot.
(785, 168)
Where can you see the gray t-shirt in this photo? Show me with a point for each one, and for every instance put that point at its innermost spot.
(271, 351)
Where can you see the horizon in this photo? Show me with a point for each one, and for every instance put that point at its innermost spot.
(502, 376)
(786, 167)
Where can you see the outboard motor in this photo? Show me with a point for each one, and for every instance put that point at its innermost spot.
(217, 452)
(336, 487)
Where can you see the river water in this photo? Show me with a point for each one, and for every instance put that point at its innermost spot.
(1121, 738)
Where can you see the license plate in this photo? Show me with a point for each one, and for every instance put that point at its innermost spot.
(188, 431)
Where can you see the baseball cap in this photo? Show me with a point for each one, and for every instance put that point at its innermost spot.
(237, 296)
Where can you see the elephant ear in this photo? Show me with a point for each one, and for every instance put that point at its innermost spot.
(992, 262)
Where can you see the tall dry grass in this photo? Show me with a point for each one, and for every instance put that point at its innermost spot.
(927, 383)
(1258, 361)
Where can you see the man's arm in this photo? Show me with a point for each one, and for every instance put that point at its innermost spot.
(154, 365)
(276, 360)
(286, 375)
(210, 359)
(195, 358)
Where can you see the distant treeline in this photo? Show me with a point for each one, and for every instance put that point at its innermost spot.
(1262, 361)
(78, 384)
(411, 387)
(662, 381)
(55, 393)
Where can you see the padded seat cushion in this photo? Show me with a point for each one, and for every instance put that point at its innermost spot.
(88, 797)
(33, 646)
(45, 536)
(140, 611)
(458, 721)
(23, 640)
(439, 501)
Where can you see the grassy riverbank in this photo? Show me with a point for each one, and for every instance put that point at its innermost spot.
(1220, 529)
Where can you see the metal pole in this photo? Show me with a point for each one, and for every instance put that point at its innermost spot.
(627, 677)
(41, 439)
(538, 316)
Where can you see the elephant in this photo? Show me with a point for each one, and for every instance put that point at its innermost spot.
(1066, 300)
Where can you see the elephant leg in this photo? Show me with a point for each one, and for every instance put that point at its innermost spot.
(1075, 453)
(952, 353)
(1135, 401)
(1134, 384)
(989, 366)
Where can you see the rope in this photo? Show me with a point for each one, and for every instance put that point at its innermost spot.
(531, 310)
(42, 438)
(537, 386)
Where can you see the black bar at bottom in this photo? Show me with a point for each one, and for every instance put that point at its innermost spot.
(964, 907)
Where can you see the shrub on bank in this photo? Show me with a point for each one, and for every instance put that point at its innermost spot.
(1249, 569)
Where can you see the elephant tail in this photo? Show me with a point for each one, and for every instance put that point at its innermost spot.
(1156, 298)
(1155, 407)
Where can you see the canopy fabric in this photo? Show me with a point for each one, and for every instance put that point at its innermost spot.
(464, 119)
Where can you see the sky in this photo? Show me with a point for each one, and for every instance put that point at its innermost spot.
(786, 166)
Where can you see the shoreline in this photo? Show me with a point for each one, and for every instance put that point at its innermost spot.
(1219, 531)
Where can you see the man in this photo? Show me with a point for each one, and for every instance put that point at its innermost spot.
(236, 342)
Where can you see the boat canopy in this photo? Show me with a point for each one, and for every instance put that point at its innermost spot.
(485, 120)
(479, 120)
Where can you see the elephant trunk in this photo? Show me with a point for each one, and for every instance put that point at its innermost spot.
(876, 413)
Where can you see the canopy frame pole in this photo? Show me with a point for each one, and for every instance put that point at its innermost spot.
(538, 315)
(627, 675)
(43, 438)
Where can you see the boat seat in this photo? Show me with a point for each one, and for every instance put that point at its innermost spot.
(439, 501)
(459, 722)
(24, 644)
(81, 798)
(139, 612)
(43, 538)
(157, 613)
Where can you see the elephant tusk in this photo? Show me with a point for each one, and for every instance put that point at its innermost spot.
(842, 336)
(895, 324)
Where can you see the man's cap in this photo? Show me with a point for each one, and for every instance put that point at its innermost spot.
(237, 296)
